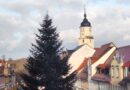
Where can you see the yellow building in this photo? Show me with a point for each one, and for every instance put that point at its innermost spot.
(116, 70)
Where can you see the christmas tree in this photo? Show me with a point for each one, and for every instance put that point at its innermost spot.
(45, 67)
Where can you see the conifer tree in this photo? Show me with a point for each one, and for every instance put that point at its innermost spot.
(44, 65)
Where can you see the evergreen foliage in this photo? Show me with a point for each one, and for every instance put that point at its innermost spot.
(44, 65)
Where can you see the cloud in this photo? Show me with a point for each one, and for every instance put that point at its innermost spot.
(126, 37)
(123, 1)
(19, 21)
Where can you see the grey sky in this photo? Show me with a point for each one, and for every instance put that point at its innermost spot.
(20, 19)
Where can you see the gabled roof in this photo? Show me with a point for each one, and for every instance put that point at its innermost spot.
(123, 52)
(107, 62)
(101, 51)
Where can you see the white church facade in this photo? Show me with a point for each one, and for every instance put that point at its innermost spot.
(100, 68)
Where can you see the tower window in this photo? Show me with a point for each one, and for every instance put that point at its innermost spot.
(83, 40)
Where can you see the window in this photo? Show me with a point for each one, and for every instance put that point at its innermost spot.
(117, 71)
(83, 40)
(125, 72)
(112, 71)
(129, 69)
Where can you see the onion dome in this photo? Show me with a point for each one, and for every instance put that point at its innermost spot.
(85, 22)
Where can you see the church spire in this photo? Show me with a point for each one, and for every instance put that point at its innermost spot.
(86, 36)
(85, 13)
(85, 22)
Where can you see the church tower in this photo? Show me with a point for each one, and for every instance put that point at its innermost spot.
(86, 36)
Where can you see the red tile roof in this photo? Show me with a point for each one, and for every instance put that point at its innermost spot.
(124, 52)
(101, 77)
(127, 64)
(84, 63)
(99, 52)
(107, 62)
(102, 50)
(103, 66)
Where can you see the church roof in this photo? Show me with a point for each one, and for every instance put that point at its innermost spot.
(85, 22)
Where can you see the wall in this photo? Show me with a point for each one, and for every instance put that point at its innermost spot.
(117, 75)
(128, 86)
(85, 33)
(96, 85)
(77, 58)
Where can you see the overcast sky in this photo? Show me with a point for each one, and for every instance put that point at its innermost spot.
(19, 20)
